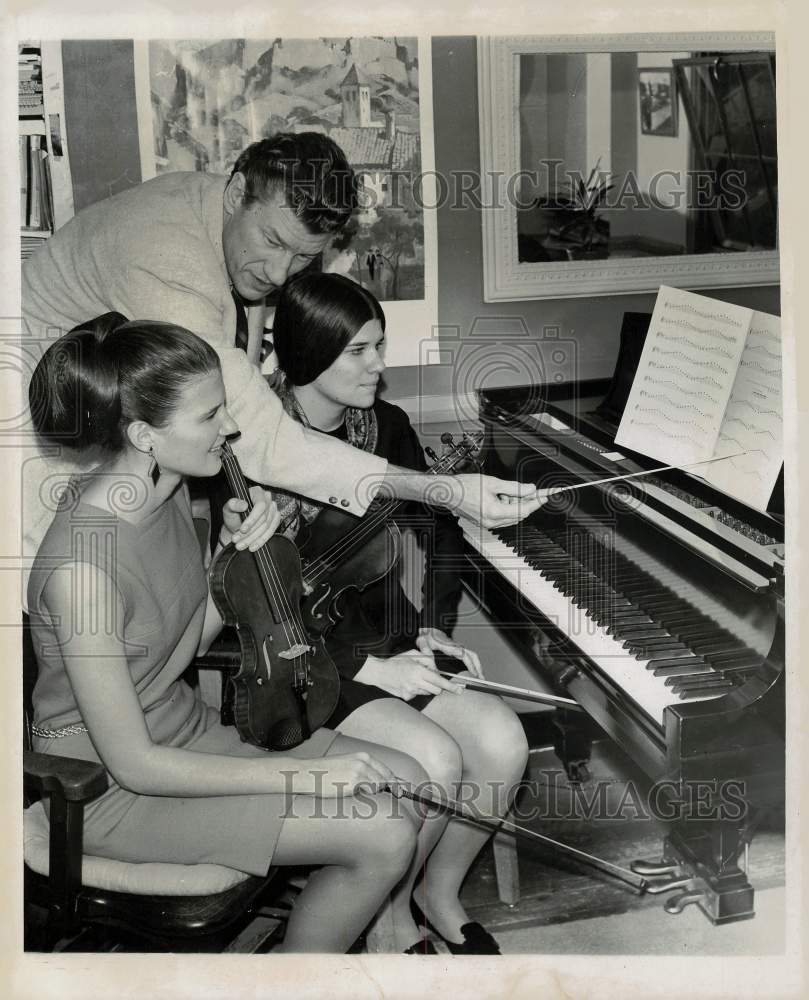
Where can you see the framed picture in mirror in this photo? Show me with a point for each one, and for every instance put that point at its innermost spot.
(658, 102)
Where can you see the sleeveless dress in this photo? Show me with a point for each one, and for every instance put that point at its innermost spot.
(157, 567)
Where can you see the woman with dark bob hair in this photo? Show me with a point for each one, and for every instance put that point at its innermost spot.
(329, 336)
(119, 608)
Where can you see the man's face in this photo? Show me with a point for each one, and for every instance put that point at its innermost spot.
(264, 243)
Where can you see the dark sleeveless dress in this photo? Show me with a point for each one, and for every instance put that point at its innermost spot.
(381, 620)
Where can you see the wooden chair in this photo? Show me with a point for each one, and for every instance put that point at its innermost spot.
(75, 901)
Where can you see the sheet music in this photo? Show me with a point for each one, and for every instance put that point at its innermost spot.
(709, 384)
(753, 419)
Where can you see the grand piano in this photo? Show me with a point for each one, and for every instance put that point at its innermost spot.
(658, 605)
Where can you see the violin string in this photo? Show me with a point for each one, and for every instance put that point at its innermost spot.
(278, 593)
(369, 524)
(294, 635)
(322, 564)
(383, 511)
(345, 543)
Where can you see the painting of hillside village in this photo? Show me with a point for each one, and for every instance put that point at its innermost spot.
(211, 99)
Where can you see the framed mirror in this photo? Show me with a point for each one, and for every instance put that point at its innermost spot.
(617, 163)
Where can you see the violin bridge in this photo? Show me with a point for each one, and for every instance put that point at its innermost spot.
(299, 649)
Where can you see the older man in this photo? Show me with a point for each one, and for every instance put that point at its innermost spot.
(195, 249)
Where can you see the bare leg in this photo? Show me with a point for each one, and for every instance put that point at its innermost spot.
(494, 752)
(364, 843)
(394, 722)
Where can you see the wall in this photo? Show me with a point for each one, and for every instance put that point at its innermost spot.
(100, 119)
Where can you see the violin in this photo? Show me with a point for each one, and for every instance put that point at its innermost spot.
(286, 685)
(339, 552)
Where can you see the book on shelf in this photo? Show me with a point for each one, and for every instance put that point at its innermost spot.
(30, 243)
(36, 199)
(46, 195)
(30, 87)
(24, 179)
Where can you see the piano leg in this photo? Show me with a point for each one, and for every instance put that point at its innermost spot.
(708, 850)
(700, 862)
(573, 744)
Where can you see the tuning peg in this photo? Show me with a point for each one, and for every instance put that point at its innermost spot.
(446, 438)
(431, 454)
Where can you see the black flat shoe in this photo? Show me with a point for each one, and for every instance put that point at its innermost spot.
(422, 947)
(477, 940)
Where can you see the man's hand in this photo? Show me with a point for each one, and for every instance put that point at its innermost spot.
(483, 500)
(494, 503)
(433, 640)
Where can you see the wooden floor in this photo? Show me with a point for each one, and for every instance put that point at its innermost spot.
(555, 892)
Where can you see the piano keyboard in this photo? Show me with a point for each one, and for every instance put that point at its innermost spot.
(643, 635)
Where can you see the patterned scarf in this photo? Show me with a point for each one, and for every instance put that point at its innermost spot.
(361, 432)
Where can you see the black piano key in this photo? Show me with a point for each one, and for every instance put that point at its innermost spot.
(658, 608)
(654, 656)
(740, 669)
(736, 662)
(696, 693)
(684, 616)
(637, 634)
(663, 616)
(661, 641)
(702, 685)
(627, 623)
(680, 621)
(711, 649)
(640, 638)
(665, 650)
(634, 648)
(665, 667)
(621, 622)
(706, 687)
(634, 590)
(696, 633)
(692, 678)
(605, 599)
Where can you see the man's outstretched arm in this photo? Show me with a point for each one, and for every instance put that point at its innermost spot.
(484, 500)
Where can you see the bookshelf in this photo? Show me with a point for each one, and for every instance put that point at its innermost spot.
(46, 194)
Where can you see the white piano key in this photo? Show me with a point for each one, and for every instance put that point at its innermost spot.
(629, 674)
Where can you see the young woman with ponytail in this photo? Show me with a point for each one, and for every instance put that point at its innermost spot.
(119, 608)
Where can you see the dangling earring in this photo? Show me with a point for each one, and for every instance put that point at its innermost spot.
(154, 468)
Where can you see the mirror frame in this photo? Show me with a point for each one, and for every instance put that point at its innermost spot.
(505, 278)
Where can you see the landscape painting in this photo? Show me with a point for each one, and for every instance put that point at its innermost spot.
(211, 99)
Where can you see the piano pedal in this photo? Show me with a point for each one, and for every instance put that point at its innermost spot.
(676, 904)
(667, 877)
(655, 869)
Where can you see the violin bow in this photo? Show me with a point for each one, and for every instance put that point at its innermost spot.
(525, 694)
(635, 881)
